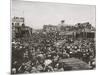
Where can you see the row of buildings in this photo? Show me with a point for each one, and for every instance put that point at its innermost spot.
(79, 30)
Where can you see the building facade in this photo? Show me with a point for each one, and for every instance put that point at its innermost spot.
(19, 29)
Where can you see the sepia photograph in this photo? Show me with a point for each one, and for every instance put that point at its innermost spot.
(52, 37)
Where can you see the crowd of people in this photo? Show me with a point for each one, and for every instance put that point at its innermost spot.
(42, 52)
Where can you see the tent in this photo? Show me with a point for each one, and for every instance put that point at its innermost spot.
(74, 64)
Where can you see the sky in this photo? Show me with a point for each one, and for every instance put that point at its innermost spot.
(37, 14)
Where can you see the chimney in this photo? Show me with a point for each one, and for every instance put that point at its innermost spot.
(62, 21)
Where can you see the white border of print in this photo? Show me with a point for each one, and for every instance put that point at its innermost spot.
(5, 51)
